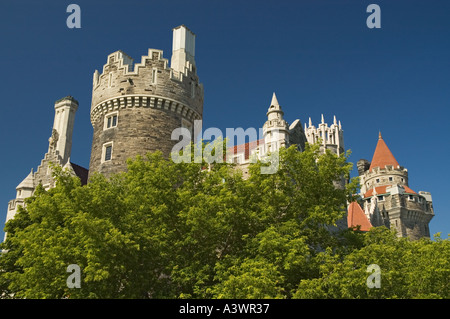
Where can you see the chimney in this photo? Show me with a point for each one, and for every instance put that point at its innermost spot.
(61, 138)
(183, 49)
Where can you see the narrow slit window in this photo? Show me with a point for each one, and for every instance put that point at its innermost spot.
(154, 75)
(192, 89)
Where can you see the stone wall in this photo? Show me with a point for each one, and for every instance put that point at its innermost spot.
(138, 131)
(150, 101)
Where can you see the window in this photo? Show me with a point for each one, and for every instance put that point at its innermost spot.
(192, 89)
(154, 75)
(390, 179)
(381, 198)
(377, 180)
(411, 197)
(107, 152)
(110, 120)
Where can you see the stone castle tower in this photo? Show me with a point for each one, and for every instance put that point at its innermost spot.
(135, 107)
(387, 198)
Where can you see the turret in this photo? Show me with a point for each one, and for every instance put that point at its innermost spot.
(383, 169)
(136, 107)
(275, 129)
(387, 198)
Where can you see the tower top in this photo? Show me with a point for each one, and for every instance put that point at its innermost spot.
(274, 106)
(183, 48)
(274, 100)
(382, 155)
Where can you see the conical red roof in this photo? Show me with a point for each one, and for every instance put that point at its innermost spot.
(356, 217)
(382, 156)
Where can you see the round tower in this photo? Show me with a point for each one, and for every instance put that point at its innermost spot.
(135, 107)
(384, 170)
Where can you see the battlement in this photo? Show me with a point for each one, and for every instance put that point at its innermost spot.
(386, 176)
(331, 137)
(123, 64)
(386, 170)
(280, 124)
(151, 80)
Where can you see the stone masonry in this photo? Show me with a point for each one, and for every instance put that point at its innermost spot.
(149, 100)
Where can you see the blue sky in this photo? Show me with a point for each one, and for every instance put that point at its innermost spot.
(318, 56)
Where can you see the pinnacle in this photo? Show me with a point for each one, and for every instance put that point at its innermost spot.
(274, 100)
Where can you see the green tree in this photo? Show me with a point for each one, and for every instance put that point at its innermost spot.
(408, 269)
(194, 230)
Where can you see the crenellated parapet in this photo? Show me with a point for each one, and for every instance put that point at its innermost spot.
(378, 176)
(331, 137)
(150, 83)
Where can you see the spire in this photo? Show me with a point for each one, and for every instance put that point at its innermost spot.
(274, 100)
(382, 155)
(310, 122)
(275, 106)
(334, 120)
(379, 135)
(340, 126)
(323, 120)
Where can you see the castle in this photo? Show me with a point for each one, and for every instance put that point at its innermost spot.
(387, 199)
(136, 107)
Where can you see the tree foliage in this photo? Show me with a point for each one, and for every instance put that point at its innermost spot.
(193, 230)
